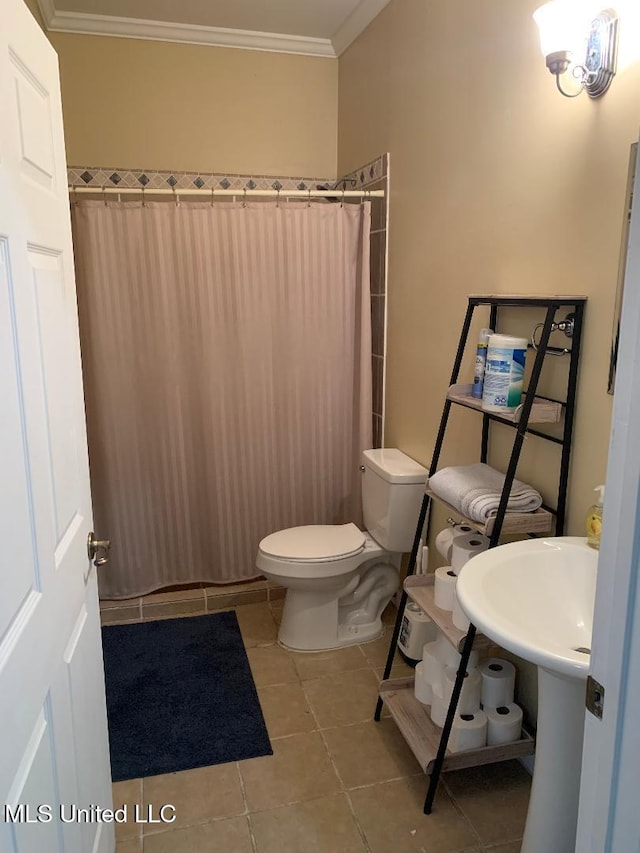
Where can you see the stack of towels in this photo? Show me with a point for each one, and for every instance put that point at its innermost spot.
(475, 490)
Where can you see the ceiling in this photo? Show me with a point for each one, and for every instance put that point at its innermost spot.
(309, 27)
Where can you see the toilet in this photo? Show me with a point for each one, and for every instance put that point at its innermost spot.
(339, 579)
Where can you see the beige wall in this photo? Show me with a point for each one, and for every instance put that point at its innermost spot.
(498, 185)
(157, 105)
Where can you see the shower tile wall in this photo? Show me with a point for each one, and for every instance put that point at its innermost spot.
(188, 600)
(375, 176)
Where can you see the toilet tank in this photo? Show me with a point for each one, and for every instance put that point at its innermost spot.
(392, 490)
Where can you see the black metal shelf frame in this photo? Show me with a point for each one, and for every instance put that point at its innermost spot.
(551, 304)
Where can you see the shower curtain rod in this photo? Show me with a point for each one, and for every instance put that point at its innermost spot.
(244, 193)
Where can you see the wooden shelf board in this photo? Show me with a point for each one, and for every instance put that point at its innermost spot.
(420, 588)
(539, 521)
(423, 736)
(569, 298)
(542, 411)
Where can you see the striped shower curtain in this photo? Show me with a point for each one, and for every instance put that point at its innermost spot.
(227, 368)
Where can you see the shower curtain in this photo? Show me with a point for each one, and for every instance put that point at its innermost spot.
(227, 366)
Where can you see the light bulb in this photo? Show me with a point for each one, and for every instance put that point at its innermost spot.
(563, 26)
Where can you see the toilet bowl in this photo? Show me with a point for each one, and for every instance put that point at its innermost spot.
(338, 578)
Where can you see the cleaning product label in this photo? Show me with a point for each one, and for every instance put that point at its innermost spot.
(478, 375)
(503, 377)
(405, 632)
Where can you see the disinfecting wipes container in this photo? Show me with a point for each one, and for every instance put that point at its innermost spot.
(504, 373)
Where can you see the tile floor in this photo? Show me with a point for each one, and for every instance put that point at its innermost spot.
(337, 782)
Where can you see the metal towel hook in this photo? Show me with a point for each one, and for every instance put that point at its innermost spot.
(565, 326)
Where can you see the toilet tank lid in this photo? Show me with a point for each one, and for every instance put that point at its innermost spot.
(314, 542)
(394, 466)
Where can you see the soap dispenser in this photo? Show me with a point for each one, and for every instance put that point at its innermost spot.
(594, 520)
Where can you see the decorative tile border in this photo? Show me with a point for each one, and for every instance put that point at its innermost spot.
(369, 174)
(97, 176)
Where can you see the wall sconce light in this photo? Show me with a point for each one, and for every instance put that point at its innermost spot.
(570, 30)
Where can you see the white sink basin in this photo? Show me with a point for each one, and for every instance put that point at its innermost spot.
(535, 598)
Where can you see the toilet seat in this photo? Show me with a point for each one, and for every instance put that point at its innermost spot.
(314, 543)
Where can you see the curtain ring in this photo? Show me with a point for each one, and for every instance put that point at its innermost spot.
(244, 197)
(342, 199)
(104, 195)
(309, 199)
(144, 203)
(213, 192)
(278, 197)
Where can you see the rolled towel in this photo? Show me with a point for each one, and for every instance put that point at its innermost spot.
(475, 490)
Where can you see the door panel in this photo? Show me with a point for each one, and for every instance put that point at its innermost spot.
(15, 518)
(55, 338)
(33, 124)
(34, 786)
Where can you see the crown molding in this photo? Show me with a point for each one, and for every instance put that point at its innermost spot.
(356, 23)
(106, 25)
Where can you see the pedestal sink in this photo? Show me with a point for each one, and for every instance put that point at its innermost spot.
(536, 599)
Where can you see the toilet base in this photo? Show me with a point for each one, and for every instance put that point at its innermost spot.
(354, 635)
(316, 620)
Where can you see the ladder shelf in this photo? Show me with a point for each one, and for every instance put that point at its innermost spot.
(542, 411)
(539, 521)
(423, 736)
(428, 742)
(420, 588)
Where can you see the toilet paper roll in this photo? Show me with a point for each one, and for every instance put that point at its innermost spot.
(469, 731)
(469, 701)
(422, 688)
(446, 538)
(458, 615)
(466, 547)
(432, 668)
(446, 653)
(498, 683)
(444, 585)
(504, 724)
(438, 707)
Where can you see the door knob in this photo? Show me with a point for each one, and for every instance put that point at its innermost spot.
(97, 547)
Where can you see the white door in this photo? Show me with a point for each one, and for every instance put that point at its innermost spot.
(53, 730)
(609, 816)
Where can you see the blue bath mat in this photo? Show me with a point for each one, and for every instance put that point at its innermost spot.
(180, 694)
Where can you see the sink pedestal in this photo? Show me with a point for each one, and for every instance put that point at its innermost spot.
(535, 599)
(553, 806)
